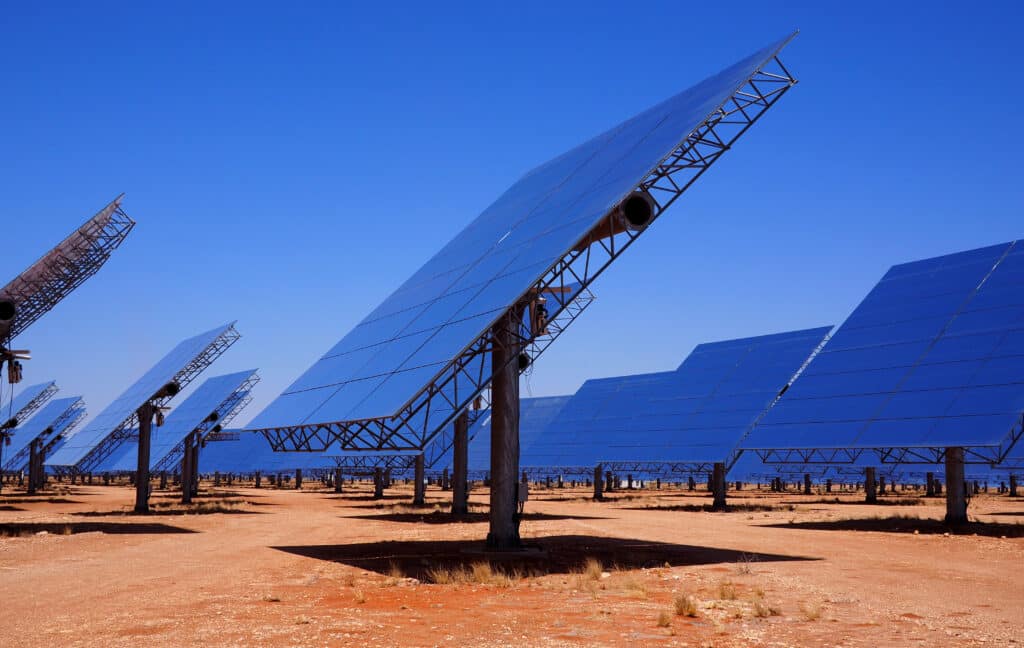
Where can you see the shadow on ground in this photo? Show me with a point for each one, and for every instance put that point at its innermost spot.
(443, 517)
(16, 529)
(179, 510)
(902, 524)
(38, 500)
(370, 498)
(882, 501)
(697, 508)
(557, 555)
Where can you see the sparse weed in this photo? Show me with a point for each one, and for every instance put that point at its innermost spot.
(270, 598)
(685, 605)
(743, 564)
(664, 619)
(360, 597)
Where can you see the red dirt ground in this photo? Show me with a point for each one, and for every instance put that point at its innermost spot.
(289, 568)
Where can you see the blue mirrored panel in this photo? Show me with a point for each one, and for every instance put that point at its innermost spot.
(120, 412)
(46, 418)
(930, 358)
(534, 416)
(697, 413)
(216, 396)
(26, 398)
(458, 294)
(243, 452)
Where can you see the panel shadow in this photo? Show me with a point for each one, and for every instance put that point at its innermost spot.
(559, 555)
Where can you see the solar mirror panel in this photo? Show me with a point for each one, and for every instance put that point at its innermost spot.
(535, 239)
(57, 414)
(38, 289)
(88, 447)
(694, 416)
(28, 401)
(219, 395)
(247, 452)
(929, 359)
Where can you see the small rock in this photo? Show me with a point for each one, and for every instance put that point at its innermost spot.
(607, 575)
(43, 533)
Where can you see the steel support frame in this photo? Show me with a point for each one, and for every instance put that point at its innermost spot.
(183, 377)
(413, 426)
(64, 423)
(226, 412)
(65, 267)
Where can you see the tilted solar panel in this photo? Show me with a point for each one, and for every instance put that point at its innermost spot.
(692, 417)
(534, 416)
(28, 401)
(538, 238)
(245, 452)
(930, 359)
(90, 445)
(214, 396)
(54, 414)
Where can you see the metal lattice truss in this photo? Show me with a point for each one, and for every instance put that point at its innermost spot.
(226, 412)
(464, 378)
(894, 455)
(129, 427)
(66, 422)
(64, 268)
(31, 407)
(74, 418)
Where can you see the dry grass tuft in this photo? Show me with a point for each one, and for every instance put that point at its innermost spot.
(727, 591)
(664, 619)
(592, 569)
(810, 611)
(685, 605)
(743, 565)
(348, 579)
(270, 598)
(360, 597)
(480, 573)
(394, 571)
(634, 586)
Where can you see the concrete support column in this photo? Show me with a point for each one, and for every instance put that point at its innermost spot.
(163, 480)
(718, 487)
(339, 480)
(870, 494)
(445, 483)
(609, 482)
(929, 484)
(881, 484)
(387, 478)
(460, 465)
(691, 485)
(807, 484)
(418, 486)
(598, 490)
(257, 478)
(828, 485)
(145, 416)
(1013, 485)
(956, 492)
(378, 483)
(504, 514)
(298, 479)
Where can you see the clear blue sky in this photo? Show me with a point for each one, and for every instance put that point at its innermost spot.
(289, 166)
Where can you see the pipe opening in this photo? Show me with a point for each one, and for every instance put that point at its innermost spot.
(637, 210)
(7, 310)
